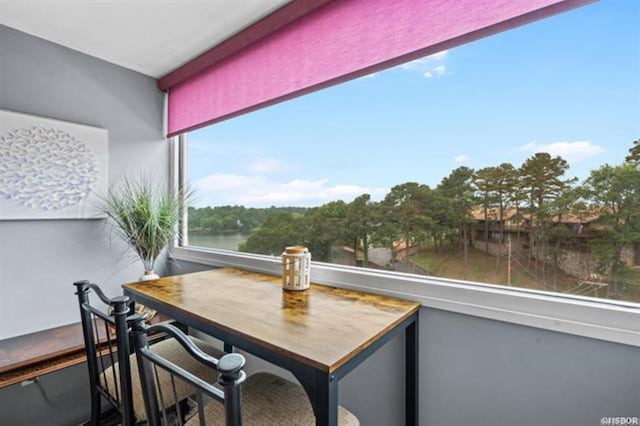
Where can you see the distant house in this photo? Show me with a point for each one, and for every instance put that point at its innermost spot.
(519, 223)
(514, 224)
(582, 228)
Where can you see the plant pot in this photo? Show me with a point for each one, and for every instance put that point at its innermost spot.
(149, 275)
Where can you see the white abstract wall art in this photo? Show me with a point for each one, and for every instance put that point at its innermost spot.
(50, 169)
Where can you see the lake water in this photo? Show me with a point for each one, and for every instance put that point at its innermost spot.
(220, 241)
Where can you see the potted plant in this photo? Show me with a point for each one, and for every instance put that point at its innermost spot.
(146, 217)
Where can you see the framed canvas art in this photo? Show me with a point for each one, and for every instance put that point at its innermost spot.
(50, 169)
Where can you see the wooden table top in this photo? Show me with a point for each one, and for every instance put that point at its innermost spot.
(323, 326)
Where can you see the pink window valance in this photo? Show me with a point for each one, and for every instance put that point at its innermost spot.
(338, 41)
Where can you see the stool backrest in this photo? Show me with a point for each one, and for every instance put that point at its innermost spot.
(228, 366)
(106, 340)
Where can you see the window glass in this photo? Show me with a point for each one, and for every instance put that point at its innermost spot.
(510, 161)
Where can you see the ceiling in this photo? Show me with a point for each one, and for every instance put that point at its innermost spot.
(149, 36)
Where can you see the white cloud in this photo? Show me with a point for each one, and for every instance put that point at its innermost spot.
(257, 191)
(462, 158)
(266, 165)
(573, 152)
(440, 69)
(416, 63)
(440, 55)
(430, 66)
(422, 62)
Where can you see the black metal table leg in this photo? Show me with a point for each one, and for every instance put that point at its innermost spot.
(326, 399)
(411, 374)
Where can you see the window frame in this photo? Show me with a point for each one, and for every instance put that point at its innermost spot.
(603, 319)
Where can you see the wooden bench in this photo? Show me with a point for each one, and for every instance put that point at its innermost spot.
(32, 355)
(29, 356)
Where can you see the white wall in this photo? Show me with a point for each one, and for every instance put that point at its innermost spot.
(39, 260)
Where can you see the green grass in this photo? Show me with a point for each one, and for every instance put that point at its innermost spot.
(449, 263)
(630, 287)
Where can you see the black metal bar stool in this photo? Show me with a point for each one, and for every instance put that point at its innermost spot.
(113, 371)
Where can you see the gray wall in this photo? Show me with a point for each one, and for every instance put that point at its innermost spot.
(478, 372)
(56, 399)
(39, 260)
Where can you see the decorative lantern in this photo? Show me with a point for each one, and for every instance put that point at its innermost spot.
(296, 268)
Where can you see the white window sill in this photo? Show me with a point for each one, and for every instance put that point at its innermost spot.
(609, 320)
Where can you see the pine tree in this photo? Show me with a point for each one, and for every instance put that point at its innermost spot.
(617, 189)
(634, 153)
(360, 222)
(406, 214)
(484, 181)
(456, 192)
(542, 177)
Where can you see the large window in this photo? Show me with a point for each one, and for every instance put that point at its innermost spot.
(508, 161)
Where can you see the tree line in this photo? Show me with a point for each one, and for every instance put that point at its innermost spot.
(418, 215)
(233, 219)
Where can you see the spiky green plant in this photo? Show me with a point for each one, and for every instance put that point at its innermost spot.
(145, 216)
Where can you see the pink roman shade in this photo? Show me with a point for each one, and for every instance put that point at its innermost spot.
(337, 41)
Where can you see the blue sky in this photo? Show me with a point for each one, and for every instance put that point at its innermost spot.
(568, 85)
